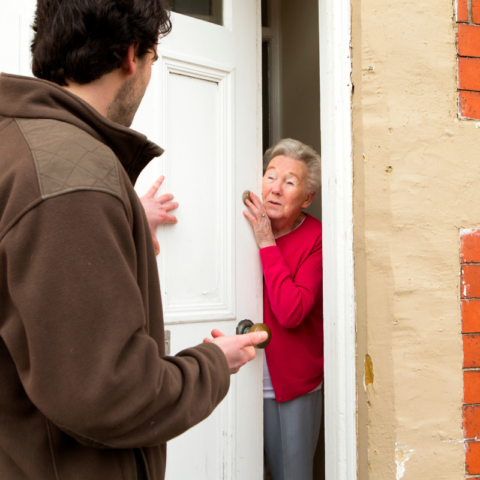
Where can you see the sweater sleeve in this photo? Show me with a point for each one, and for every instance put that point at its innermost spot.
(78, 333)
(292, 297)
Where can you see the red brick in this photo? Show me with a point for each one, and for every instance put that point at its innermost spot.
(471, 351)
(469, 239)
(469, 73)
(470, 281)
(469, 103)
(471, 421)
(475, 11)
(462, 11)
(468, 40)
(473, 458)
(471, 386)
(470, 316)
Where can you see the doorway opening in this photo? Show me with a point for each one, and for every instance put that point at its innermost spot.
(291, 98)
(291, 76)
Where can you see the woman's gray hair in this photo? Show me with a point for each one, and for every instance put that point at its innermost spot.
(299, 151)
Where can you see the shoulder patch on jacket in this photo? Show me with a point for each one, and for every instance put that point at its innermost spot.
(68, 159)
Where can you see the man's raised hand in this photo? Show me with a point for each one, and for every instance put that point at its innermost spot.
(157, 208)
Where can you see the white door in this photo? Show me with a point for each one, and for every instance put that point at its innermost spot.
(203, 107)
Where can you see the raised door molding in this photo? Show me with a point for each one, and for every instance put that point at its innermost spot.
(209, 293)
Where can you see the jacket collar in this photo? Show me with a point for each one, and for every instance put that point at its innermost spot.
(27, 97)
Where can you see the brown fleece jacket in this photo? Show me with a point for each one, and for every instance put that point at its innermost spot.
(85, 389)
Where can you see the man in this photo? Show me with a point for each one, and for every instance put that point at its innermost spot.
(85, 389)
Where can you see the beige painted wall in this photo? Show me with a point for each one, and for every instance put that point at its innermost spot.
(417, 182)
(301, 76)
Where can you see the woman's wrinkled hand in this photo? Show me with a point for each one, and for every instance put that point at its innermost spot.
(157, 208)
(262, 227)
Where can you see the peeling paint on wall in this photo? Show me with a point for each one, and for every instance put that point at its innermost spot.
(369, 377)
(402, 456)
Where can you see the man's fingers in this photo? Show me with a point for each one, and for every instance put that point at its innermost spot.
(166, 197)
(170, 219)
(156, 245)
(168, 207)
(217, 333)
(206, 340)
(252, 339)
(238, 348)
(153, 190)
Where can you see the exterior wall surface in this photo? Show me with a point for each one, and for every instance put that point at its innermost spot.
(417, 184)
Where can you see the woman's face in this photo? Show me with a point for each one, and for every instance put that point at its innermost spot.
(284, 188)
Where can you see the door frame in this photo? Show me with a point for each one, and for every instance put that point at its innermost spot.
(337, 217)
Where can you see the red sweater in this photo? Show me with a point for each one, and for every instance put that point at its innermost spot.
(293, 309)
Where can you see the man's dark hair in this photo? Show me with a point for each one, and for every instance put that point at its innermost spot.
(82, 40)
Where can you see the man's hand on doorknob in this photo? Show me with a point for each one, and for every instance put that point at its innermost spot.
(239, 349)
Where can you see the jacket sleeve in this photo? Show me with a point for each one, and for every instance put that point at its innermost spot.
(77, 330)
(292, 297)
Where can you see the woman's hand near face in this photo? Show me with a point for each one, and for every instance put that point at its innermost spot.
(262, 227)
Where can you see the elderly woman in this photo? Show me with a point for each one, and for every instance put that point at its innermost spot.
(290, 243)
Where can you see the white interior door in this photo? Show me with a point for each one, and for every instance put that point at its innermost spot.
(202, 106)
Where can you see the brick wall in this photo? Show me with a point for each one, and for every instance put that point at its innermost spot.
(468, 44)
(470, 298)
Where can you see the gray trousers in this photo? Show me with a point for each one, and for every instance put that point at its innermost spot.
(291, 432)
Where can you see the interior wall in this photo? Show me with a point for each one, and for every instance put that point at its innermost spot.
(301, 77)
(300, 62)
(416, 184)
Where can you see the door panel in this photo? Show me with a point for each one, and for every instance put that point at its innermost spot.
(198, 165)
(207, 451)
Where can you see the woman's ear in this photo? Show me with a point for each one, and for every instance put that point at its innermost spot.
(309, 199)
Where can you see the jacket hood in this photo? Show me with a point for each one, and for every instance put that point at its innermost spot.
(27, 97)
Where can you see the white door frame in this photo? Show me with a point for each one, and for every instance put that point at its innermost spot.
(337, 211)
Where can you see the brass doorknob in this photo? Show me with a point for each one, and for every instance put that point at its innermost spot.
(247, 326)
(246, 196)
